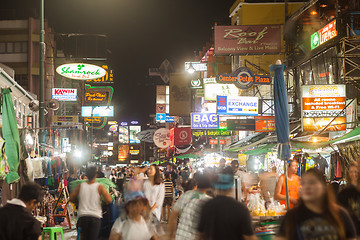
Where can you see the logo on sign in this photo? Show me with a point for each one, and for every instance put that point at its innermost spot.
(64, 94)
(80, 71)
(160, 108)
(247, 106)
(244, 78)
(198, 83)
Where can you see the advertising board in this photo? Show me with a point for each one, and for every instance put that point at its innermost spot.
(252, 39)
(123, 135)
(210, 133)
(199, 67)
(107, 78)
(162, 138)
(214, 141)
(64, 94)
(264, 124)
(97, 94)
(241, 124)
(244, 78)
(123, 152)
(65, 119)
(80, 71)
(246, 106)
(213, 90)
(134, 130)
(204, 121)
(317, 124)
(97, 111)
(323, 35)
(182, 136)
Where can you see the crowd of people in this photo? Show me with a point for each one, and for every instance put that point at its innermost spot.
(181, 203)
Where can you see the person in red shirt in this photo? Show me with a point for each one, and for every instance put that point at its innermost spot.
(293, 185)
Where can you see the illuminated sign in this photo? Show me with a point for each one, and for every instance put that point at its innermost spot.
(123, 152)
(108, 78)
(97, 111)
(212, 133)
(134, 130)
(264, 124)
(197, 83)
(80, 71)
(62, 119)
(244, 78)
(199, 67)
(246, 106)
(134, 122)
(93, 119)
(241, 124)
(98, 95)
(323, 35)
(64, 94)
(123, 135)
(123, 123)
(317, 124)
(134, 150)
(112, 122)
(204, 121)
(213, 90)
(162, 138)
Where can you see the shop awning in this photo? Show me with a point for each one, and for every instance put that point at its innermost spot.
(261, 149)
(191, 155)
(263, 140)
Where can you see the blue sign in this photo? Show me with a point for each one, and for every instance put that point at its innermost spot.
(204, 121)
(160, 117)
(245, 106)
(170, 119)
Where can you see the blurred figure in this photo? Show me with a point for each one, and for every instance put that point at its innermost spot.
(190, 184)
(99, 173)
(16, 220)
(134, 226)
(154, 191)
(107, 172)
(223, 217)
(349, 197)
(222, 164)
(185, 174)
(293, 185)
(190, 216)
(169, 197)
(317, 215)
(89, 194)
(267, 184)
(240, 187)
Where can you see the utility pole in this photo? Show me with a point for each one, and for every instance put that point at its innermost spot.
(42, 76)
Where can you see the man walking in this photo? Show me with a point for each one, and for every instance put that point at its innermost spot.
(16, 220)
(90, 212)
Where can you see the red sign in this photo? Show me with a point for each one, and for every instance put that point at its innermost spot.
(252, 39)
(160, 108)
(182, 136)
(222, 141)
(264, 124)
(213, 141)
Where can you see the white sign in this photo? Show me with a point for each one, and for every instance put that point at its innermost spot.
(323, 91)
(81, 71)
(100, 111)
(64, 94)
(351, 113)
(199, 67)
(213, 90)
(162, 138)
(247, 106)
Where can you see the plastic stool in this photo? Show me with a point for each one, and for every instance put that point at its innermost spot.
(52, 232)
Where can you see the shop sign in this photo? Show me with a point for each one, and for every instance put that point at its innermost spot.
(134, 122)
(213, 90)
(123, 152)
(241, 124)
(160, 108)
(113, 128)
(222, 141)
(96, 120)
(97, 95)
(324, 34)
(97, 111)
(204, 121)
(112, 122)
(246, 106)
(199, 67)
(251, 39)
(162, 138)
(169, 119)
(80, 71)
(209, 80)
(160, 117)
(123, 124)
(197, 83)
(323, 100)
(213, 141)
(65, 119)
(351, 113)
(134, 130)
(211, 133)
(64, 94)
(182, 136)
(317, 124)
(200, 93)
(244, 78)
(107, 78)
(264, 124)
(134, 150)
(123, 135)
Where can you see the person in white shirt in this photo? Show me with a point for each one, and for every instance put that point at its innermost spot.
(154, 191)
(134, 226)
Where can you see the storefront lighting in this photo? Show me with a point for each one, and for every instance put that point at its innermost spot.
(191, 69)
(323, 5)
(314, 139)
(109, 133)
(313, 12)
(77, 153)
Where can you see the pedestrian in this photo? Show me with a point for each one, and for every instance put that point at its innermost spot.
(223, 217)
(317, 216)
(134, 226)
(154, 191)
(349, 197)
(169, 197)
(190, 216)
(16, 220)
(293, 185)
(240, 188)
(190, 184)
(222, 164)
(267, 184)
(89, 195)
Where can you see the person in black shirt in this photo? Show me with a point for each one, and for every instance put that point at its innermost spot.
(317, 216)
(223, 217)
(16, 220)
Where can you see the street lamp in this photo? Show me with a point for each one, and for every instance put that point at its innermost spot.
(42, 76)
(191, 69)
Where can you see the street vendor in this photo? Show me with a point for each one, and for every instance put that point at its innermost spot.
(293, 185)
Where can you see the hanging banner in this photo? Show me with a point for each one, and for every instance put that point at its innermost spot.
(182, 136)
(204, 121)
(252, 39)
(162, 138)
(246, 106)
(351, 113)
(264, 124)
(324, 34)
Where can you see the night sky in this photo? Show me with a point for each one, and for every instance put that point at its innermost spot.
(141, 34)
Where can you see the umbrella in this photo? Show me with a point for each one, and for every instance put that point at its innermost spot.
(281, 118)
(10, 133)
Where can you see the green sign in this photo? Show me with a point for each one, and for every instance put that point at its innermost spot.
(315, 40)
(197, 83)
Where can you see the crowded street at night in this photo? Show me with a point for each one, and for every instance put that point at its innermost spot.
(180, 120)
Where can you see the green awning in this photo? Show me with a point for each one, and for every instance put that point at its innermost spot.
(261, 149)
(188, 156)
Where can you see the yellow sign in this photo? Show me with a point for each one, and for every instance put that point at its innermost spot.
(107, 78)
(95, 96)
(92, 119)
(112, 122)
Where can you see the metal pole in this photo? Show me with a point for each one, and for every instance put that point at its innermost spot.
(91, 134)
(286, 186)
(42, 76)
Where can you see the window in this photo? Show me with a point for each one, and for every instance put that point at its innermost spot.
(13, 47)
(2, 47)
